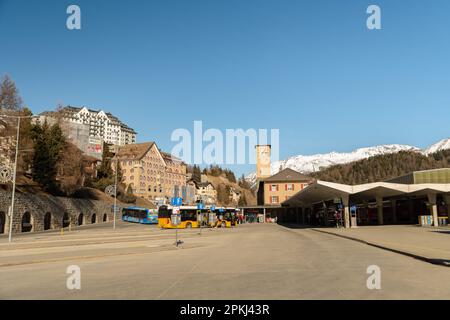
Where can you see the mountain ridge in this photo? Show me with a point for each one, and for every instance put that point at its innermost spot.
(312, 163)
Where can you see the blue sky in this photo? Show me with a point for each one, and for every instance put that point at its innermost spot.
(309, 68)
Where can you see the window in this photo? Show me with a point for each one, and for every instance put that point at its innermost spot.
(274, 187)
(289, 187)
(274, 199)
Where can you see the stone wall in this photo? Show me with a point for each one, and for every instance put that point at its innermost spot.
(48, 212)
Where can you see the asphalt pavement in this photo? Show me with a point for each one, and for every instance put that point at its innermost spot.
(258, 261)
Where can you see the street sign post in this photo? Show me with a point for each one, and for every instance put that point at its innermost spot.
(212, 218)
(175, 221)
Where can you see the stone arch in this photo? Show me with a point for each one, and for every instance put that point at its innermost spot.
(27, 222)
(2, 222)
(94, 218)
(66, 220)
(80, 219)
(105, 217)
(47, 221)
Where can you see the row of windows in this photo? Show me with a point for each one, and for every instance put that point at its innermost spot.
(155, 173)
(155, 189)
(276, 199)
(287, 187)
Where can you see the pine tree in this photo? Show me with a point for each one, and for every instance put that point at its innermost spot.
(196, 174)
(242, 200)
(105, 170)
(243, 183)
(383, 167)
(48, 143)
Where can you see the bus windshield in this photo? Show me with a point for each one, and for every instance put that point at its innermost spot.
(164, 212)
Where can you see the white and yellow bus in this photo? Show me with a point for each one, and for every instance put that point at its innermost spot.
(191, 217)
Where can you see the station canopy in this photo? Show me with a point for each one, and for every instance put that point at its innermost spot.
(324, 191)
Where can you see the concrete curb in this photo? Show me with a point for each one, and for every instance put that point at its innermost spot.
(439, 262)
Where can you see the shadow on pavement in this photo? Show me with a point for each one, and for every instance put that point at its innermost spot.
(294, 226)
(443, 232)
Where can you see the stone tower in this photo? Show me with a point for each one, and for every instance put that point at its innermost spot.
(262, 161)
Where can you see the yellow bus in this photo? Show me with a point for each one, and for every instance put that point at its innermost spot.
(226, 217)
(190, 217)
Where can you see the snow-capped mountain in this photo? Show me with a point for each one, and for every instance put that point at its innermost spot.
(312, 163)
(441, 145)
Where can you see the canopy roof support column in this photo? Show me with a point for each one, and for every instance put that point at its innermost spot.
(434, 211)
(345, 202)
(394, 210)
(447, 202)
(380, 210)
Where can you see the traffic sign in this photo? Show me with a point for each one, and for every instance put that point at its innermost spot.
(177, 201)
(201, 206)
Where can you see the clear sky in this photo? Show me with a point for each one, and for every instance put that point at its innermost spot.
(309, 68)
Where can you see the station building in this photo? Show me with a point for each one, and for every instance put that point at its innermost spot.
(398, 201)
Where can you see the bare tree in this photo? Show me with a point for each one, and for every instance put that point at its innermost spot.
(9, 95)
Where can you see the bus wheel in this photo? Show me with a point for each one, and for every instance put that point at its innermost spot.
(188, 225)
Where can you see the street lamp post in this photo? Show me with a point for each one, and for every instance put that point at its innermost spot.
(14, 175)
(115, 195)
(109, 189)
(11, 210)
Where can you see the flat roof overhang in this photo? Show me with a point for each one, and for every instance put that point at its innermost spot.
(324, 191)
(317, 192)
(260, 207)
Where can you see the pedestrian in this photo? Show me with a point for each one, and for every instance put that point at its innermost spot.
(337, 217)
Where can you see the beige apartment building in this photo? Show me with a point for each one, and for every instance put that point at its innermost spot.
(151, 173)
(283, 185)
(206, 193)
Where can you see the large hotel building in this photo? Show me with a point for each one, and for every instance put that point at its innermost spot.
(88, 129)
(151, 173)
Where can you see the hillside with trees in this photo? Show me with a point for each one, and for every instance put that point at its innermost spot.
(223, 179)
(383, 167)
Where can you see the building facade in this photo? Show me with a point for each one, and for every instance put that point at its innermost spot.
(188, 193)
(206, 193)
(100, 124)
(283, 185)
(150, 173)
